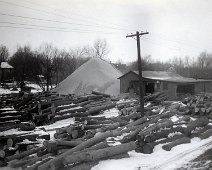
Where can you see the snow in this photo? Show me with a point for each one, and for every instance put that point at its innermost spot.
(96, 74)
(36, 87)
(114, 112)
(7, 91)
(58, 124)
(17, 132)
(73, 108)
(174, 118)
(159, 159)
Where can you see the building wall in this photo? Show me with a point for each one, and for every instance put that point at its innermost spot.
(125, 81)
(170, 88)
(172, 91)
(203, 87)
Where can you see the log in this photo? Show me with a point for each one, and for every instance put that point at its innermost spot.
(135, 130)
(3, 163)
(183, 140)
(10, 113)
(96, 110)
(77, 133)
(95, 155)
(196, 133)
(44, 105)
(192, 125)
(23, 154)
(95, 97)
(9, 122)
(65, 107)
(6, 127)
(99, 93)
(56, 162)
(68, 143)
(158, 126)
(35, 166)
(81, 119)
(33, 161)
(89, 165)
(97, 122)
(137, 122)
(206, 134)
(82, 109)
(63, 102)
(147, 148)
(95, 147)
(82, 104)
(162, 134)
(19, 163)
(100, 145)
(60, 135)
(27, 126)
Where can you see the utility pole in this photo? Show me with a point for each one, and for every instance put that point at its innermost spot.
(137, 35)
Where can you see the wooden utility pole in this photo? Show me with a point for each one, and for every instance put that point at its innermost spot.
(137, 35)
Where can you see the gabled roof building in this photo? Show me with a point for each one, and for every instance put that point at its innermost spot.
(171, 83)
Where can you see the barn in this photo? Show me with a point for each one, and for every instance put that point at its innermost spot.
(171, 83)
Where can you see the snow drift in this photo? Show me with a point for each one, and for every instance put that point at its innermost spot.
(96, 74)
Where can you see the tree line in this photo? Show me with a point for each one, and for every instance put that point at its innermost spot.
(50, 65)
(198, 67)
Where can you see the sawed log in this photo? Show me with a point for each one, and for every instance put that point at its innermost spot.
(95, 155)
(169, 146)
(56, 162)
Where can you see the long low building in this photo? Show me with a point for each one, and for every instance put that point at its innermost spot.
(171, 83)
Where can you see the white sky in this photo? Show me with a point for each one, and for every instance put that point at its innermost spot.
(176, 27)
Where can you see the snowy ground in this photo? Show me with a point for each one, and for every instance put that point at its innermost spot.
(160, 159)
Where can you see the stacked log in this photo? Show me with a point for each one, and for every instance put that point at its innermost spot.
(86, 141)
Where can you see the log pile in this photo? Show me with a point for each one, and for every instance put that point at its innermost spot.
(94, 137)
(48, 107)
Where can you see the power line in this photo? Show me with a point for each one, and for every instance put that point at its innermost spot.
(83, 17)
(60, 28)
(53, 30)
(54, 21)
(56, 14)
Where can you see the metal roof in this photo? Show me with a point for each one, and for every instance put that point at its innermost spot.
(167, 76)
(5, 65)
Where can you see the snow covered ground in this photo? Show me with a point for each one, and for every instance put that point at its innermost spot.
(160, 159)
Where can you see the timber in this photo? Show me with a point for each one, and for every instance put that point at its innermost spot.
(95, 155)
(169, 146)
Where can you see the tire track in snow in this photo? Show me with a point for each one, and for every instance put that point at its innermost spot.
(181, 156)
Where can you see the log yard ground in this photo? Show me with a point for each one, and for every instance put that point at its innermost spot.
(99, 132)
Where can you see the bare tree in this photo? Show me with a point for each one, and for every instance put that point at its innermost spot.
(49, 54)
(100, 48)
(4, 53)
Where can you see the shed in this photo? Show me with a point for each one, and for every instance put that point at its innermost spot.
(171, 83)
(5, 71)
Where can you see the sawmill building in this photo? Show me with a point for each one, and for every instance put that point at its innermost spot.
(171, 83)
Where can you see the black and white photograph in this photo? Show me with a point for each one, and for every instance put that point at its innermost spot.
(105, 85)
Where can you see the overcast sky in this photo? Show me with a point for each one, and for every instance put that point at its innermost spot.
(176, 27)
